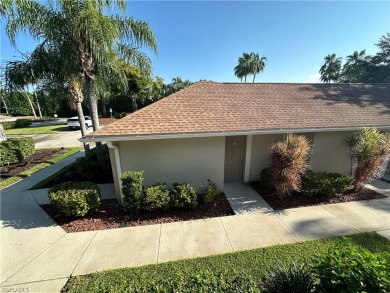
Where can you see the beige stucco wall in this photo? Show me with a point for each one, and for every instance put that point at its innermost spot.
(259, 158)
(330, 154)
(192, 160)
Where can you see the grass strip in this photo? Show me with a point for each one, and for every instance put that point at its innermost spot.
(42, 129)
(11, 180)
(256, 264)
(42, 183)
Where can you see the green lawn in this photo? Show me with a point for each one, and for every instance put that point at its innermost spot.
(11, 180)
(43, 129)
(254, 264)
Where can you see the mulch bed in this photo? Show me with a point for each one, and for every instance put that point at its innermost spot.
(40, 156)
(111, 215)
(296, 199)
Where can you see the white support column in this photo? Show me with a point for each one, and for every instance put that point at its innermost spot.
(248, 155)
(118, 168)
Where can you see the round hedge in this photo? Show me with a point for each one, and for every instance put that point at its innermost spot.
(75, 199)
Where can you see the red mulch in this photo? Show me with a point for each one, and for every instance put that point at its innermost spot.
(38, 157)
(296, 199)
(111, 215)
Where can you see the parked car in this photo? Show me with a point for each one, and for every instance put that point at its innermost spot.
(73, 122)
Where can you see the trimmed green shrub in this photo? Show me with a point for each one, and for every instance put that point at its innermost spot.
(210, 191)
(348, 269)
(8, 125)
(156, 197)
(120, 115)
(16, 150)
(21, 123)
(183, 195)
(265, 178)
(293, 279)
(132, 191)
(75, 199)
(325, 183)
(89, 169)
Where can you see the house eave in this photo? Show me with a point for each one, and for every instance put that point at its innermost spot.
(117, 138)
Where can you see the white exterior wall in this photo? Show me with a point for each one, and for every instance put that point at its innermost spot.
(190, 160)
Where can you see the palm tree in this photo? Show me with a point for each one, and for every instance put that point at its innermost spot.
(83, 35)
(330, 71)
(356, 67)
(243, 67)
(257, 64)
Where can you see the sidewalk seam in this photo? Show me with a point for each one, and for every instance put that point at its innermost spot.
(159, 244)
(223, 226)
(280, 219)
(82, 255)
(357, 230)
(18, 284)
(34, 258)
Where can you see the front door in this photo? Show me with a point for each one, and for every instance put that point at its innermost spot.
(234, 158)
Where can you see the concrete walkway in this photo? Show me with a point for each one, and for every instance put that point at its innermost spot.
(36, 254)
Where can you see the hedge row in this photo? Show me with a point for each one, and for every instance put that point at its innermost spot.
(19, 123)
(158, 197)
(16, 150)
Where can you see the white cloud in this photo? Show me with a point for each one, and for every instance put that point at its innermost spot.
(313, 78)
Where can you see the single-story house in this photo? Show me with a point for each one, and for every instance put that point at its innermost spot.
(223, 131)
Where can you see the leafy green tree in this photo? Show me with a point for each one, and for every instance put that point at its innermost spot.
(357, 67)
(249, 64)
(330, 71)
(176, 85)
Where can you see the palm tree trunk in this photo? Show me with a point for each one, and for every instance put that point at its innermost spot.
(254, 76)
(31, 105)
(83, 130)
(91, 95)
(245, 78)
(134, 104)
(39, 107)
(5, 105)
(104, 108)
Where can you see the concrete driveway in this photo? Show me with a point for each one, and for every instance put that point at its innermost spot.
(61, 139)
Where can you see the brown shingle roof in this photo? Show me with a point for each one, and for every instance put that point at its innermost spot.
(232, 107)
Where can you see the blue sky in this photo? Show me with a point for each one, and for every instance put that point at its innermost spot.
(203, 40)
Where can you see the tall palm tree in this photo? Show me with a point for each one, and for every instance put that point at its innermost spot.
(257, 64)
(84, 35)
(356, 67)
(330, 71)
(243, 67)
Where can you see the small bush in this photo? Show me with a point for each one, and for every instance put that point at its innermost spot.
(183, 195)
(210, 191)
(89, 169)
(132, 191)
(16, 150)
(288, 160)
(265, 178)
(75, 199)
(156, 197)
(325, 183)
(8, 125)
(120, 115)
(348, 269)
(293, 279)
(21, 123)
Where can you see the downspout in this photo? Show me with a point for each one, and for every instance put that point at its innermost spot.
(118, 167)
